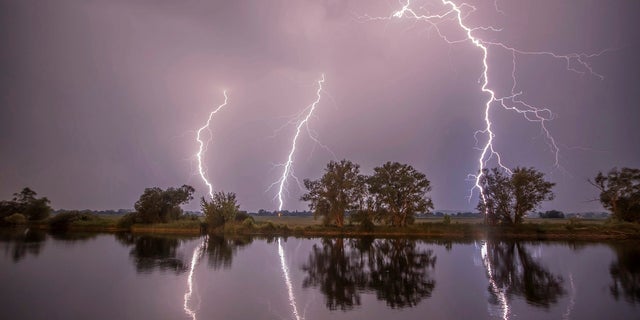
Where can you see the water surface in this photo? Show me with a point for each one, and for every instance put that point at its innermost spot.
(102, 276)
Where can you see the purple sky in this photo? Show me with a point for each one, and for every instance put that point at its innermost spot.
(101, 99)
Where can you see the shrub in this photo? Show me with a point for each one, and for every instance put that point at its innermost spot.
(241, 216)
(446, 219)
(16, 219)
(64, 219)
(128, 220)
(248, 223)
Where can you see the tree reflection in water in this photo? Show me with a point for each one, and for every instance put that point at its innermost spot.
(220, 250)
(512, 271)
(154, 252)
(21, 242)
(161, 252)
(397, 270)
(625, 272)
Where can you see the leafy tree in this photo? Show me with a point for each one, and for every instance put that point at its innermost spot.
(156, 205)
(26, 203)
(620, 193)
(222, 208)
(338, 191)
(552, 214)
(400, 192)
(509, 197)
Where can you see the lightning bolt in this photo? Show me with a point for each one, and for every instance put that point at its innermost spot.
(501, 294)
(203, 145)
(197, 252)
(288, 171)
(575, 62)
(287, 280)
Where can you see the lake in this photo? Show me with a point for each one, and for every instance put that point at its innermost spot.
(124, 276)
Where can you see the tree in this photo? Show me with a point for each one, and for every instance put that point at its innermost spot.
(552, 214)
(222, 208)
(338, 191)
(507, 198)
(400, 192)
(156, 205)
(620, 193)
(26, 203)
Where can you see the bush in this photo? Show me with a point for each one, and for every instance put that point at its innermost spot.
(241, 216)
(64, 219)
(128, 220)
(446, 219)
(189, 217)
(248, 223)
(16, 219)
(268, 226)
(367, 225)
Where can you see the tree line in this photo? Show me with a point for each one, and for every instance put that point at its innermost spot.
(393, 195)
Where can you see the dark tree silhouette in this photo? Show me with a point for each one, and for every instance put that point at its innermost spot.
(221, 250)
(625, 272)
(517, 273)
(620, 193)
(156, 205)
(507, 198)
(152, 252)
(22, 242)
(400, 192)
(338, 191)
(396, 270)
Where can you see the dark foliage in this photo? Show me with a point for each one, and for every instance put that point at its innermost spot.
(26, 203)
(160, 206)
(508, 197)
(620, 193)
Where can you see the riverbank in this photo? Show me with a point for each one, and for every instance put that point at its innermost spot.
(533, 229)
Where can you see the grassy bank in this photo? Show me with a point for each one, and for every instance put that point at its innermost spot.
(461, 228)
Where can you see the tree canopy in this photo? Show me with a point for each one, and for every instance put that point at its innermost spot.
(507, 198)
(156, 205)
(620, 193)
(26, 203)
(393, 194)
(222, 208)
(339, 190)
(399, 191)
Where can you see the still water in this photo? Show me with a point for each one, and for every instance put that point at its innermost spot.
(102, 276)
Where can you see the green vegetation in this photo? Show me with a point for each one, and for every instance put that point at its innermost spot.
(392, 195)
(552, 214)
(156, 205)
(222, 208)
(620, 193)
(507, 198)
(338, 191)
(391, 202)
(15, 219)
(63, 220)
(398, 193)
(26, 204)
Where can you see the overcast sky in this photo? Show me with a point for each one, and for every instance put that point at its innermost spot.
(100, 99)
